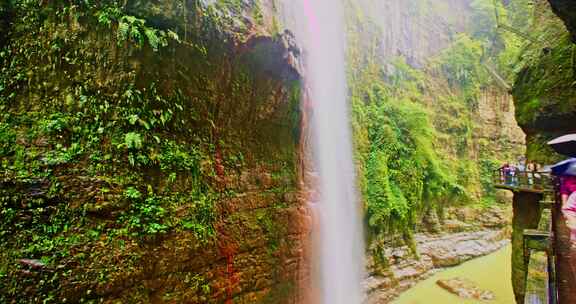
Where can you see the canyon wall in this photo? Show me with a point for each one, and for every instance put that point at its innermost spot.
(431, 125)
(149, 153)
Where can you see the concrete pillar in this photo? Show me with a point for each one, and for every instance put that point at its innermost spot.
(527, 212)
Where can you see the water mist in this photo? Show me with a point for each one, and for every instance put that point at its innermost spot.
(320, 29)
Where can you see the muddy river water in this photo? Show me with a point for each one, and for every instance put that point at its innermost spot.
(490, 273)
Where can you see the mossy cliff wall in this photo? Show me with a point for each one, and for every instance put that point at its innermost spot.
(544, 91)
(415, 30)
(430, 126)
(426, 114)
(148, 153)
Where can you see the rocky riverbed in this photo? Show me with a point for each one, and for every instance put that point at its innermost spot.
(466, 234)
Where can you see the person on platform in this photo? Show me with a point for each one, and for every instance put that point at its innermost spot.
(567, 188)
(505, 175)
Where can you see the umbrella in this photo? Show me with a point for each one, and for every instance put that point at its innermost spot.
(565, 145)
(567, 167)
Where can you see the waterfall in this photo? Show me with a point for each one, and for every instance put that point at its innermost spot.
(319, 27)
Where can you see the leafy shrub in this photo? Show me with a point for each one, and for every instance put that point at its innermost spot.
(133, 141)
(131, 28)
(402, 170)
(176, 157)
(55, 124)
(146, 215)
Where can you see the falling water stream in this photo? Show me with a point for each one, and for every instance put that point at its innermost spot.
(319, 28)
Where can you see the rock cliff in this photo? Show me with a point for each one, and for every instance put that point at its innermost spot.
(400, 69)
(149, 153)
(543, 91)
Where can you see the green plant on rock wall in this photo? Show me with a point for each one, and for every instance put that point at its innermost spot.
(96, 160)
(7, 137)
(402, 171)
(461, 65)
(147, 215)
(135, 29)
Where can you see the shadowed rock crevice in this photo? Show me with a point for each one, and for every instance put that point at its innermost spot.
(566, 9)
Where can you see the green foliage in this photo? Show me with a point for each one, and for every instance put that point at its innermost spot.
(146, 216)
(257, 14)
(176, 157)
(93, 158)
(402, 171)
(108, 14)
(198, 282)
(63, 155)
(487, 168)
(272, 231)
(201, 217)
(133, 29)
(546, 80)
(461, 65)
(55, 124)
(483, 20)
(111, 133)
(132, 193)
(133, 141)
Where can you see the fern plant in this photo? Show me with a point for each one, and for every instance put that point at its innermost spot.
(133, 29)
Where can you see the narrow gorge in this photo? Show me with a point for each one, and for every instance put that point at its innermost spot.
(271, 151)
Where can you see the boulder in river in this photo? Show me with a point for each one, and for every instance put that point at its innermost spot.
(465, 289)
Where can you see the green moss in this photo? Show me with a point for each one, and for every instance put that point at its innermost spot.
(402, 172)
(544, 88)
(117, 134)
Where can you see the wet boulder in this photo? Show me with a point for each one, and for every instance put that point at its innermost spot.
(465, 289)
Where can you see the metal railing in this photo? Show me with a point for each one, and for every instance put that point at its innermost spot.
(523, 180)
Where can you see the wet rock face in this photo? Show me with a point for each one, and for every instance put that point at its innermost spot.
(277, 56)
(497, 122)
(434, 252)
(543, 90)
(413, 35)
(452, 250)
(566, 9)
(242, 111)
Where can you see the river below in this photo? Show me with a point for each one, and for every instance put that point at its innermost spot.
(492, 273)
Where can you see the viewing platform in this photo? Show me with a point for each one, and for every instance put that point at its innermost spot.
(548, 245)
(522, 181)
